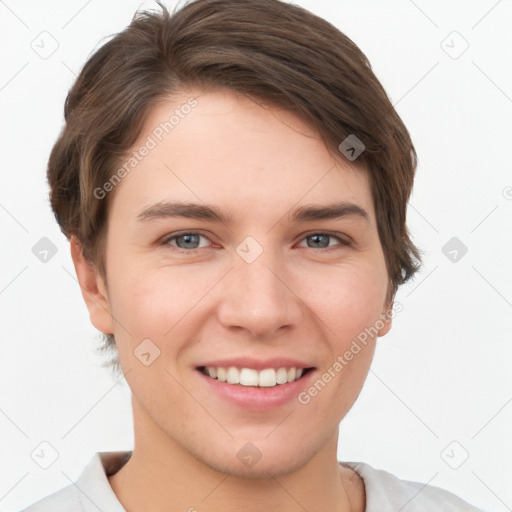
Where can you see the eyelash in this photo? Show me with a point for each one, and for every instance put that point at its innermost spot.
(166, 240)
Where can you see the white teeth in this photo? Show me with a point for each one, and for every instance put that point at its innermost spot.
(248, 377)
(269, 377)
(282, 376)
(233, 375)
(221, 374)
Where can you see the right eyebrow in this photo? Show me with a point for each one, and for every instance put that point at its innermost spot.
(189, 210)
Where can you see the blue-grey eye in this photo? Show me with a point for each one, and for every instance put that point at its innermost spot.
(190, 241)
(320, 240)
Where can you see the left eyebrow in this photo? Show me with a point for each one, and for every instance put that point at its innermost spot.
(329, 211)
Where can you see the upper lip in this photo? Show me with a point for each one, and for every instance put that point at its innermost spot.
(257, 364)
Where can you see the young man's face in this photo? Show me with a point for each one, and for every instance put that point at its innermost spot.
(259, 287)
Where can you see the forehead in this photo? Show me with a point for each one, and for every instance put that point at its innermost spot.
(222, 148)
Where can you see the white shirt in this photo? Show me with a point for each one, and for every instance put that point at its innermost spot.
(384, 491)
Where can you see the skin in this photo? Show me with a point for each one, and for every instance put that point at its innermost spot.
(296, 299)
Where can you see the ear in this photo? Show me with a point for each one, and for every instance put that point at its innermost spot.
(93, 289)
(386, 317)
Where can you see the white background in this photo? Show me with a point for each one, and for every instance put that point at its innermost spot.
(443, 372)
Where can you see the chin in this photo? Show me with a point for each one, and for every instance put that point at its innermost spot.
(258, 458)
(262, 469)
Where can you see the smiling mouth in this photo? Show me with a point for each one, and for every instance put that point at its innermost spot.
(267, 378)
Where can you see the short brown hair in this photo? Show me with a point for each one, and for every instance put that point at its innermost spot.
(266, 49)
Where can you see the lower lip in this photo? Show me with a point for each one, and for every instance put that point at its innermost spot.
(258, 398)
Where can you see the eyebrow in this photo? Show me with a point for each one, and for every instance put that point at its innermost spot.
(329, 211)
(305, 213)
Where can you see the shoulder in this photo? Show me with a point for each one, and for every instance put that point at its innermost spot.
(386, 493)
(91, 491)
(65, 499)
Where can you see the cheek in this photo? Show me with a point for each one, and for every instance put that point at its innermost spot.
(347, 299)
(350, 305)
(157, 303)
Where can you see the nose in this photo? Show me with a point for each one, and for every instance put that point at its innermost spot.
(259, 297)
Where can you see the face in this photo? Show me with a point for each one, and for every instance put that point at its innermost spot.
(255, 276)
